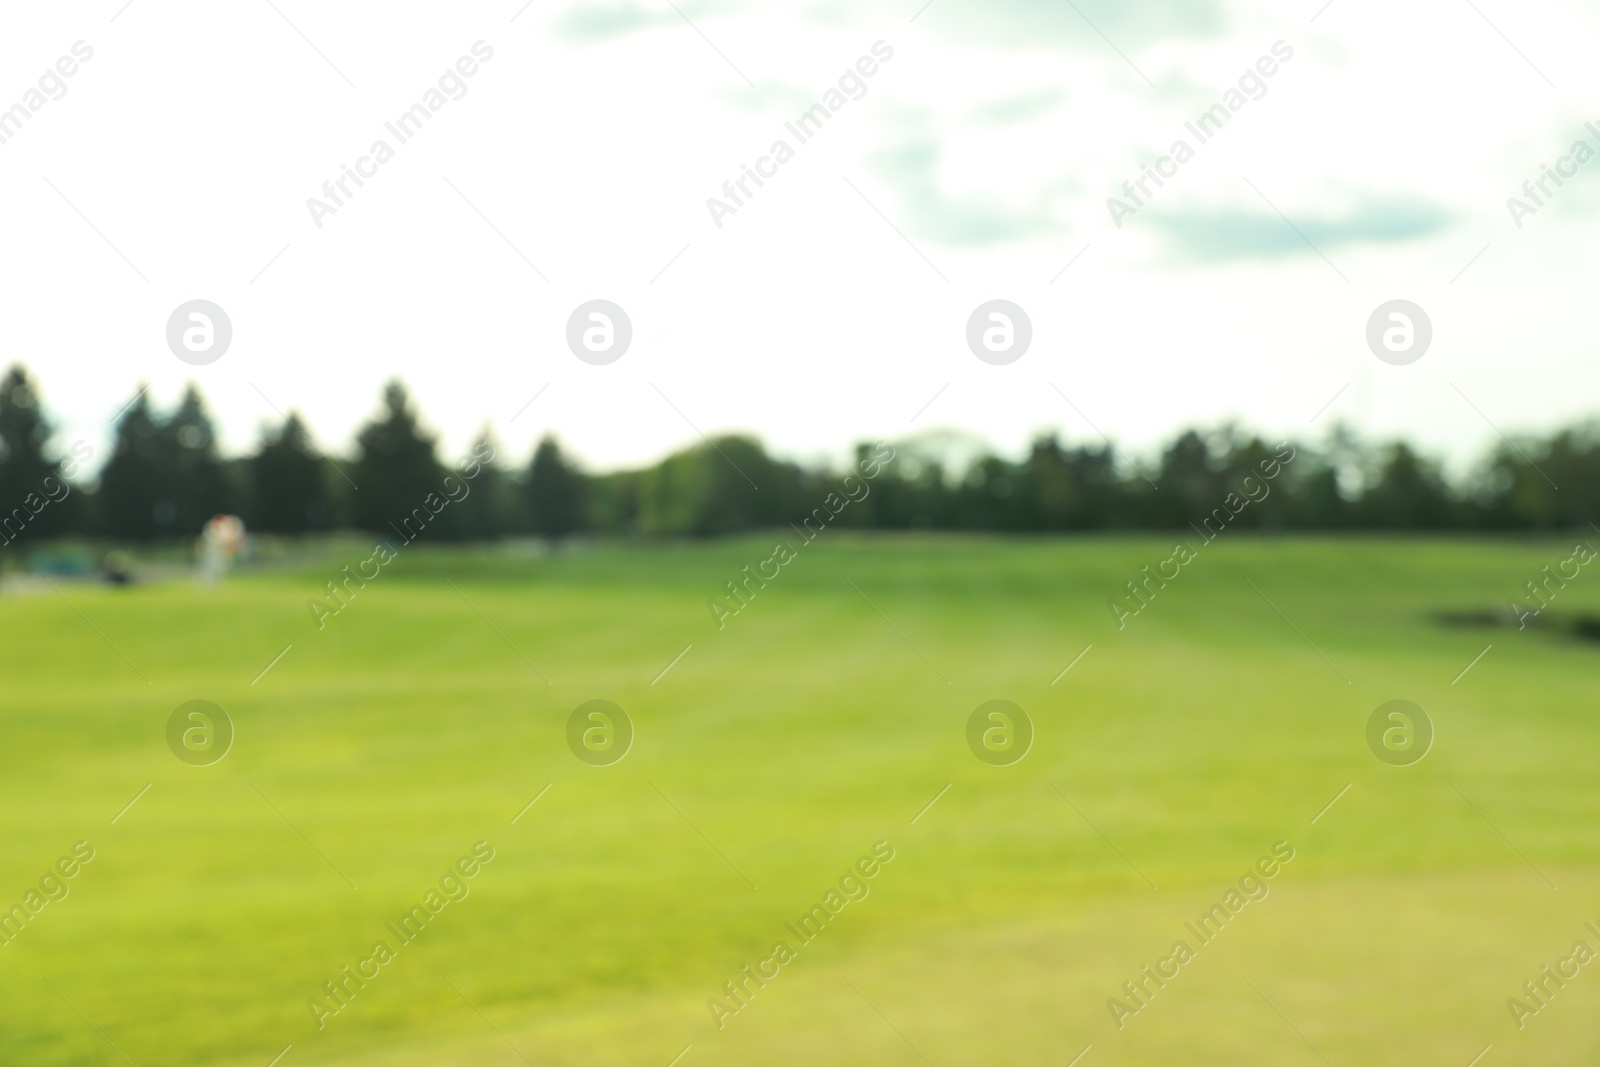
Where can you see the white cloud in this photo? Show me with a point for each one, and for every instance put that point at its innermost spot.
(196, 133)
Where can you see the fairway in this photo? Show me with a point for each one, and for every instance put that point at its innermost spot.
(423, 731)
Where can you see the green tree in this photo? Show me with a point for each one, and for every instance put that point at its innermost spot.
(485, 513)
(396, 470)
(1409, 493)
(290, 486)
(130, 494)
(713, 489)
(556, 493)
(192, 479)
(29, 506)
(1190, 487)
(1072, 488)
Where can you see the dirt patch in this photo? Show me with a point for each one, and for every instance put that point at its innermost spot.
(1582, 626)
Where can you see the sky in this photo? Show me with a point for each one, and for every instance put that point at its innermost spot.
(831, 305)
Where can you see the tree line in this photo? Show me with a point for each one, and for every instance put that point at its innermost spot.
(164, 477)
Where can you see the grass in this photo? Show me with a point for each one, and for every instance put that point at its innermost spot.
(822, 719)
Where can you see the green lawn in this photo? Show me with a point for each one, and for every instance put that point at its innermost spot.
(774, 754)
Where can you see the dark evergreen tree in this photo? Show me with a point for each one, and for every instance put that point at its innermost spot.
(289, 484)
(1252, 469)
(132, 504)
(396, 470)
(1409, 494)
(484, 514)
(192, 479)
(1190, 487)
(556, 495)
(32, 495)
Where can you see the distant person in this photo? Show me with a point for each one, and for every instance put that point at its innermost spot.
(114, 569)
(222, 539)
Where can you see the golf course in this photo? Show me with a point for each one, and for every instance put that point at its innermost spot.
(408, 772)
